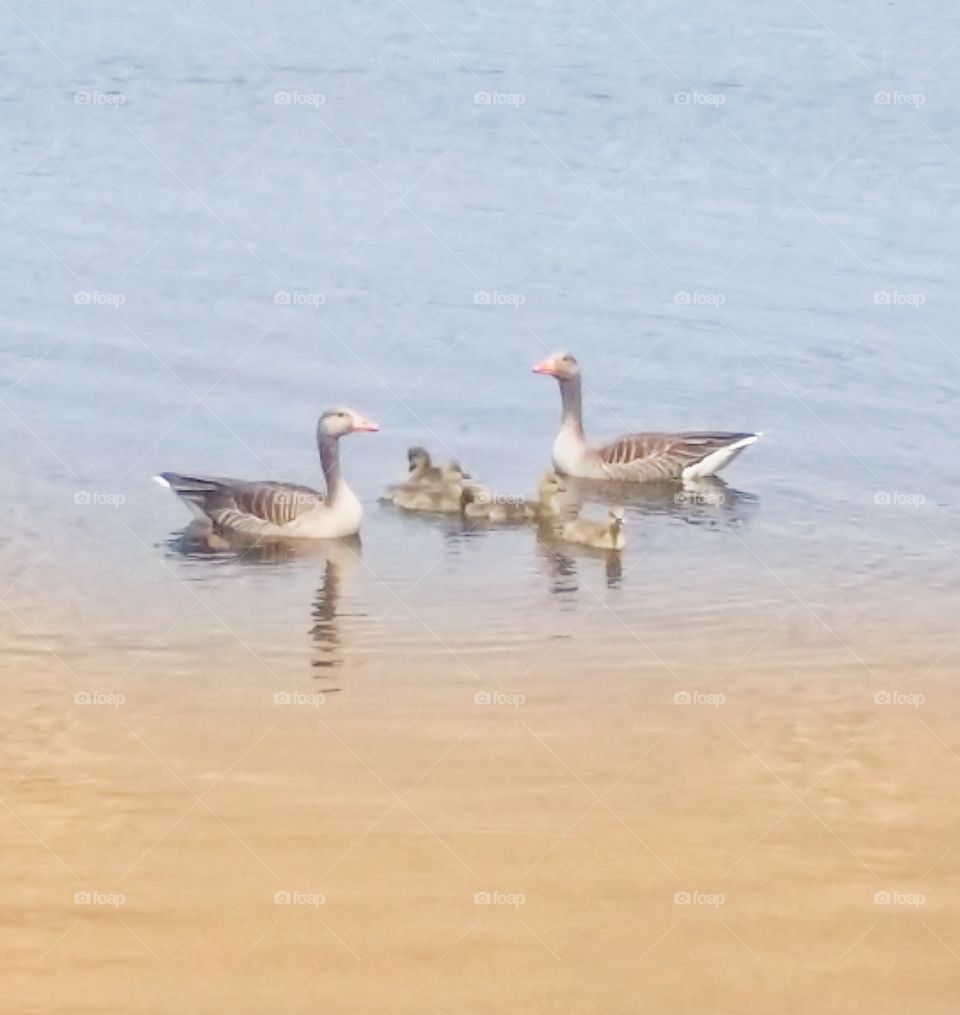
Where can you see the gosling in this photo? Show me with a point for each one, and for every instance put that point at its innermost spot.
(421, 467)
(479, 503)
(599, 535)
(424, 476)
(445, 498)
(550, 488)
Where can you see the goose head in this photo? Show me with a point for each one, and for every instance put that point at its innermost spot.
(561, 365)
(616, 520)
(338, 422)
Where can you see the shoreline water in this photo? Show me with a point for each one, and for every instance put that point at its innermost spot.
(228, 834)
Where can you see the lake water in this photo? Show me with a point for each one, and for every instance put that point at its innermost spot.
(221, 220)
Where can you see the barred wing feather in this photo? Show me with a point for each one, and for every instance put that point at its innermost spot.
(652, 456)
(231, 501)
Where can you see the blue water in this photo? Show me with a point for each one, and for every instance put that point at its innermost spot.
(220, 220)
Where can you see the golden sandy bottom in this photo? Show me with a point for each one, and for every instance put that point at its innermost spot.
(405, 847)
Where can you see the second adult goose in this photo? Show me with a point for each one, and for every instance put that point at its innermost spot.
(635, 457)
(272, 510)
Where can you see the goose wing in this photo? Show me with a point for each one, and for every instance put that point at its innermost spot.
(650, 456)
(236, 503)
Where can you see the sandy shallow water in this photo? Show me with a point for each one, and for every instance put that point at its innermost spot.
(637, 853)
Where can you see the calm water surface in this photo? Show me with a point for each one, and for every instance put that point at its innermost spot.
(220, 221)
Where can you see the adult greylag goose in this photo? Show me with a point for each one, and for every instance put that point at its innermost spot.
(265, 509)
(635, 457)
(479, 503)
(607, 535)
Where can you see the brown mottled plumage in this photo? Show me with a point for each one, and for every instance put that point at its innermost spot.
(635, 457)
(268, 509)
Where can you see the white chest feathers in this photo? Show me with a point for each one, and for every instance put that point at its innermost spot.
(568, 451)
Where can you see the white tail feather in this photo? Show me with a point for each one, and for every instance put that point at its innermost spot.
(720, 458)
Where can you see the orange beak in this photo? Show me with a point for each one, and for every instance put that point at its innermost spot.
(361, 425)
(546, 367)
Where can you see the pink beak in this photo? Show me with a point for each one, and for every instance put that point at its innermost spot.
(361, 425)
(546, 367)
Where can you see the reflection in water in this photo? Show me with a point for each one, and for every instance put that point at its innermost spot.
(707, 502)
(561, 563)
(341, 560)
(338, 557)
(324, 632)
(701, 502)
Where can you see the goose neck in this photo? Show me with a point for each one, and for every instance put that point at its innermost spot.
(571, 396)
(330, 462)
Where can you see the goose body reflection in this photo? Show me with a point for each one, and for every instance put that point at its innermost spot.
(342, 560)
(701, 501)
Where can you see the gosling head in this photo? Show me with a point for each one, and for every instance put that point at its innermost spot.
(419, 459)
(455, 473)
(550, 485)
